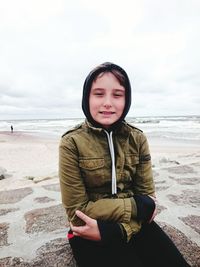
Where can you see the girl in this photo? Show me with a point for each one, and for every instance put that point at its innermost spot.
(106, 181)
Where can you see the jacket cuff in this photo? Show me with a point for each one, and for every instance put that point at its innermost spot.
(127, 210)
(134, 208)
(111, 232)
(145, 207)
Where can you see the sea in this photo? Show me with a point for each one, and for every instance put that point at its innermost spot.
(168, 127)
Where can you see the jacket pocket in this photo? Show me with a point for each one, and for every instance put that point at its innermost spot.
(92, 171)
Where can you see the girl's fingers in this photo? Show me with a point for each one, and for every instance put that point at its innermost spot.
(83, 216)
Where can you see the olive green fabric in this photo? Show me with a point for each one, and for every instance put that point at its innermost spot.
(85, 174)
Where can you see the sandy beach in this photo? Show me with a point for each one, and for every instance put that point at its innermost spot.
(31, 161)
(26, 157)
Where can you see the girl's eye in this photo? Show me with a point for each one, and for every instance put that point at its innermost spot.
(98, 93)
(118, 93)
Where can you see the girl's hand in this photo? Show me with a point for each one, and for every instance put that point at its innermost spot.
(155, 211)
(89, 231)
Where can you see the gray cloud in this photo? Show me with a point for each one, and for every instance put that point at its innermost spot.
(47, 48)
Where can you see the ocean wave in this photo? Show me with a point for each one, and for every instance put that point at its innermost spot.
(143, 121)
(187, 128)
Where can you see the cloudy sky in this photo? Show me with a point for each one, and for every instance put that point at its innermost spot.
(47, 47)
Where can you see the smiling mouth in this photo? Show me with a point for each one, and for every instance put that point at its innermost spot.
(106, 112)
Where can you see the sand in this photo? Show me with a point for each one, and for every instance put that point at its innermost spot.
(25, 157)
(29, 164)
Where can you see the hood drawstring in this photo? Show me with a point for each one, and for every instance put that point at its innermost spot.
(112, 154)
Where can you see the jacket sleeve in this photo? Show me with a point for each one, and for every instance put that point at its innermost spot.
(74, 194)
(131, 228)
(113, 231)
(143, 182)
(142, 187)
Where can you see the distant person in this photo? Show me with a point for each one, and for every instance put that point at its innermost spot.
(11, 129)
(107, 183)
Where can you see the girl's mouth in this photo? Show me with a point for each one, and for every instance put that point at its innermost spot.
(107, 112)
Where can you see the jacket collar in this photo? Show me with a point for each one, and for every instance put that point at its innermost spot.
(123, 129)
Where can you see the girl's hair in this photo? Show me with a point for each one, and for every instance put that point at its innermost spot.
(118, 75)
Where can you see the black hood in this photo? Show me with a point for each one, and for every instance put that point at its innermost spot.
(105, 67)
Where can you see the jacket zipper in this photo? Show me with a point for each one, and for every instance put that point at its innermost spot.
(112, 154)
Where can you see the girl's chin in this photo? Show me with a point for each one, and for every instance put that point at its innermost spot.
(106, 122)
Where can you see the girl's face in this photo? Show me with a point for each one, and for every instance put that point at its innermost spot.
(106, 100)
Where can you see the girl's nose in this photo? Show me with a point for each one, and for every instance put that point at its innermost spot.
(107, 102)
(107, 106)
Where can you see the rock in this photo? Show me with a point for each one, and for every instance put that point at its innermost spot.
(14, 196)
(45, 219)
(187, 197)
(187, 180)
(160, 188)
(6, 211)
(4, 234)
(193, 221)
(166, 160)
(41, 179)
(52, 187)
(40, 218)
(2, 177)
(43, 199)
(2, 173)
(159, 209)
(182, 169)
(57, 252)
(188, 249)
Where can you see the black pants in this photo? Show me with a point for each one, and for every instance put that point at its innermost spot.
(151, 247)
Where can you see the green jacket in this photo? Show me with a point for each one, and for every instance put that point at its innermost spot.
(85, 174)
